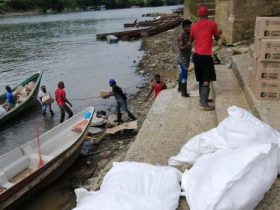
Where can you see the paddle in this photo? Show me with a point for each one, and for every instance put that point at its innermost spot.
(40, 163)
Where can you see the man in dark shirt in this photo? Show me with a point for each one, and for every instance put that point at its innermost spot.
(183, 58)
(121, 101)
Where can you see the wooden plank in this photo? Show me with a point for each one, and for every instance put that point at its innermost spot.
(125, 126)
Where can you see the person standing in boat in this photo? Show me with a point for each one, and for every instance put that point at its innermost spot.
(121, 101)
(61, 100)
(183, 58)
(10, 98)
(43, 93)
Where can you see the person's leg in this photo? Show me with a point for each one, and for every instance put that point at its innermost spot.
(69, 111)
(179, 82)
(51, 111)
(205, 90)
(44, 109)
(183, 80)
(62, 113)
(200, 96)
(125, 108)
(119, 114)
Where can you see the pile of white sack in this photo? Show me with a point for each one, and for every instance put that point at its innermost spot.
(234, 165)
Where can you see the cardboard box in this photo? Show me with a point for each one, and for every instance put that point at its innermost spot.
(266, 89)
(267, 27)
(267, 49)
(266, 70)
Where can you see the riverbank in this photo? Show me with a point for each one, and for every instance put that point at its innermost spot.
(88, 170)
(18, 13)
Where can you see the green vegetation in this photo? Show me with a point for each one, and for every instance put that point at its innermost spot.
(61, 5)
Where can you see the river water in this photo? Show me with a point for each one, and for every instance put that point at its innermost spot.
(64, 46)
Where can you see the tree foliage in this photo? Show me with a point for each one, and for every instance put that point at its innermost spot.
(60, 5)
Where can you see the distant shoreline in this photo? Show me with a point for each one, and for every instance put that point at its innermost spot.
(14, 14)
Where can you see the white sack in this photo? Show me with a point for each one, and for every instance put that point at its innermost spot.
(239, 128)
(134, 186)
(231, 178)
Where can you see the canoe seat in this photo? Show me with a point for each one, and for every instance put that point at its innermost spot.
(14, 163)
(16, 167)
(4, 183)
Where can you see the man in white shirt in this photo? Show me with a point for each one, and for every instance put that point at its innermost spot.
(41, 95)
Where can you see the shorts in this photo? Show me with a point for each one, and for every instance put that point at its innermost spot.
(204, 68)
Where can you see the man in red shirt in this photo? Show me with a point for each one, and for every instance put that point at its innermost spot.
(157, 86)
(61, 100)
(202, 34)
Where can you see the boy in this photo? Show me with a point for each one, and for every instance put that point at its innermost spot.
(42, 94)
(157, 86)
(60, 97)
(183, 58)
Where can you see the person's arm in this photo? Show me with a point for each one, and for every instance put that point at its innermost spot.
(191, 35)
(216, 33)
(66, 100)
(164, 86)
(180, 41)
(149, 94)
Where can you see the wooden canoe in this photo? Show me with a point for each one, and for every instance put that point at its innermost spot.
(161, 28)
(144, 32)
(30, 100)
(147, 23)
(20, 176)
(123, 35)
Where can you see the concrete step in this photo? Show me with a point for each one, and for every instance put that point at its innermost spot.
(269, 112)
(227, 92)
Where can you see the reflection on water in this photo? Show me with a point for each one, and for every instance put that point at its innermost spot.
(64, 46)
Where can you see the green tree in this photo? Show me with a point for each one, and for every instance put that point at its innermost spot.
(153, 3)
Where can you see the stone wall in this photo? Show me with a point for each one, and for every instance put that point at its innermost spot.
(237, 17)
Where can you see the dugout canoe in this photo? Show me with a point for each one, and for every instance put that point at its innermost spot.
(144, 32)
(20, 176)
(29, 101)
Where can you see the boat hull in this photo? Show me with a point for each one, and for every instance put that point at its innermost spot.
(46, 175)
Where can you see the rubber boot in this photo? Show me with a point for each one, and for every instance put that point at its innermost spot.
(204, 98)
(184, 90)
(199, 88)
(179, 86)
(119, 118)
(132, 117)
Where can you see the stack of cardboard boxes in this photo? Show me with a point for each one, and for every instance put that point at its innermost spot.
(264, 72)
